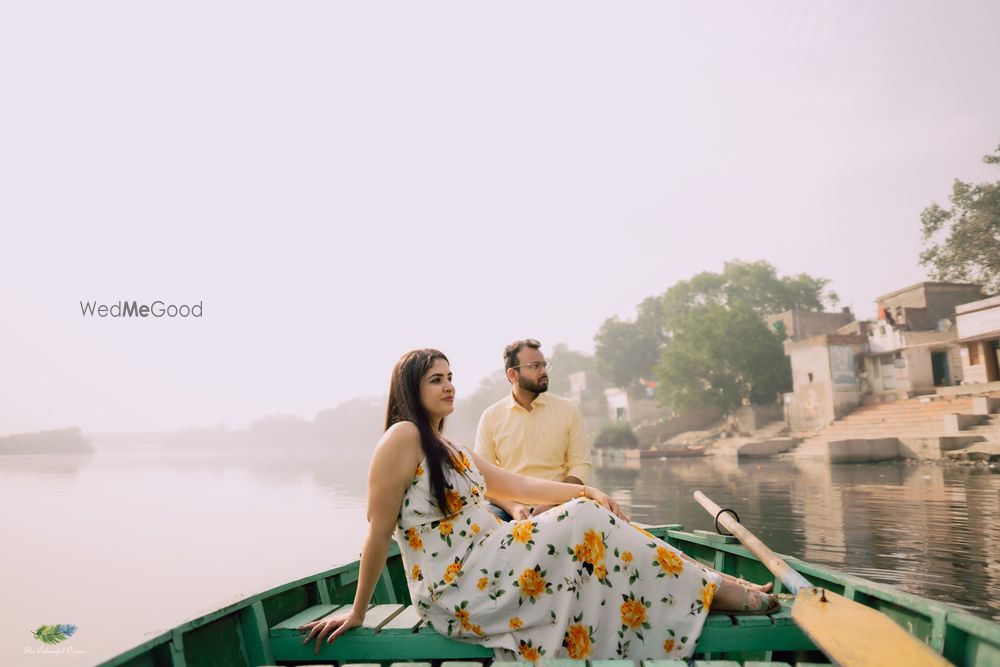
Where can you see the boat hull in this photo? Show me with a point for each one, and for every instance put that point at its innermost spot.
(262, 629)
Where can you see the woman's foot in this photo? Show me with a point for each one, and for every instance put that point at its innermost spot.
(745, 599)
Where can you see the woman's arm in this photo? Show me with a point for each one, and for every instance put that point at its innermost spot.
(506, 485)
(395, 459)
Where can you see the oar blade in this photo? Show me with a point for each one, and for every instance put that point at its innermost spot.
(853, 635)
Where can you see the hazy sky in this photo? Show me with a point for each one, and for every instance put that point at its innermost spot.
(340, 182)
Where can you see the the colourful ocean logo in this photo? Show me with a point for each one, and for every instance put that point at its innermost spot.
(53, 634)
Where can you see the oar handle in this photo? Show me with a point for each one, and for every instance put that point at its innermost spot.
(791, 579)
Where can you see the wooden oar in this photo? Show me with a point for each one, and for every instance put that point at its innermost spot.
(848, 632)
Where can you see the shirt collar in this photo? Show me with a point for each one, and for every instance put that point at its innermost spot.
(540, 401)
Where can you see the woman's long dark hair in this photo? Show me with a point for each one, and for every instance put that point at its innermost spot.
(404, 405)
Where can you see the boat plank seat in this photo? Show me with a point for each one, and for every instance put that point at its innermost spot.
(414, 640)
(587, 663)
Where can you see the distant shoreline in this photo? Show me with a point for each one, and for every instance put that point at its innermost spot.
(58, 441)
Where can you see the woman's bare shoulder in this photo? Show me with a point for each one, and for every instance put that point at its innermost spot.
(402, 439)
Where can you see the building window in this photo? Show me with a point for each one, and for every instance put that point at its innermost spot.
(973, 354)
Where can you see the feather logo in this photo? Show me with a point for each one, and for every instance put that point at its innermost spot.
(53, 634)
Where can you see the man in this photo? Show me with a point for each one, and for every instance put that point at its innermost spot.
(531, 432)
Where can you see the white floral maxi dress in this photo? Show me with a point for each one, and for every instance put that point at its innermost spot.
(573, 582)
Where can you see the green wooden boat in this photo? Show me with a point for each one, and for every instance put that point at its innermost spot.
(263, 629)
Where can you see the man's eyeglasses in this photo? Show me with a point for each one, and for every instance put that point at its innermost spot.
(536, 366)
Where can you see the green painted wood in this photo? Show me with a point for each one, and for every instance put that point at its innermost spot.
(723, 633)
(766, 663)
(355, 647)
(376, 617)
(363, 664)
(405, 622)
(611, 663)
(664, 663)
(384, 590)
(715, 663)
(411, 664)
(322, 591)
(177, 649)
(256, 637)
(561, 662)
(457, 663)
(314, 613)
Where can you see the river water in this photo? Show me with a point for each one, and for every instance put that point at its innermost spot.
(126, 544)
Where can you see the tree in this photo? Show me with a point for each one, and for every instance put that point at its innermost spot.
(616, 434)
(963, 243)
(720, 356)
(752, 285)
(627, 351)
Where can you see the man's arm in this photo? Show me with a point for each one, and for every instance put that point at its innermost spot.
(486, 447)
(578, 464)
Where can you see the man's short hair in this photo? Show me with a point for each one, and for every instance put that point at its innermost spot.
(510, 352)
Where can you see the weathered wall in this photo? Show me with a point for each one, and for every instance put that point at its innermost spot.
(664, 429)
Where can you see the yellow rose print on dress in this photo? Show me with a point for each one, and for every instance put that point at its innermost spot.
(529, 652)
(413, 537)
(643, 531)
(579, 639)
(420, 470)
(708, 594)
(595, 542)
(453, 572)
(462, 617)
(454, 500)
(671, 643)
(627, 557)
(601, 572)
(474, 528)
(483, 583)
(515, 622)
(669, 562)
(416, 574)
(633, 615)
(532, 584)
(589, 553)
(704, 600)
(521, 533)
(446, 529)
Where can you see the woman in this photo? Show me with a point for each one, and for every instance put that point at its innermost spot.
(576, 581)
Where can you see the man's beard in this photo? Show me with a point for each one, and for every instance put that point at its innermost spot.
(534, 387)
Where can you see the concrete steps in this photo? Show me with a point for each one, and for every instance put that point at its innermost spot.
(918, 428)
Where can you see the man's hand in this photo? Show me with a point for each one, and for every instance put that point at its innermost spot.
(541, 508)
(518, 512)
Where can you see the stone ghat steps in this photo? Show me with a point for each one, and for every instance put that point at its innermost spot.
(913, 417)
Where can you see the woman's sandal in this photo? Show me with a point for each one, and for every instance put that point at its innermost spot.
(767, 604)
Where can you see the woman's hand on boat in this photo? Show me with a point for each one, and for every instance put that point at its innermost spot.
(606, 501)
(333, 626)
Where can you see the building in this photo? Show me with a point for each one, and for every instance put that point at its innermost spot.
(798, 324)
(979, 334)
(824, 378)
(912, 348)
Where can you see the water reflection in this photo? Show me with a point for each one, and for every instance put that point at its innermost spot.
(930, 530)
(177, 534)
